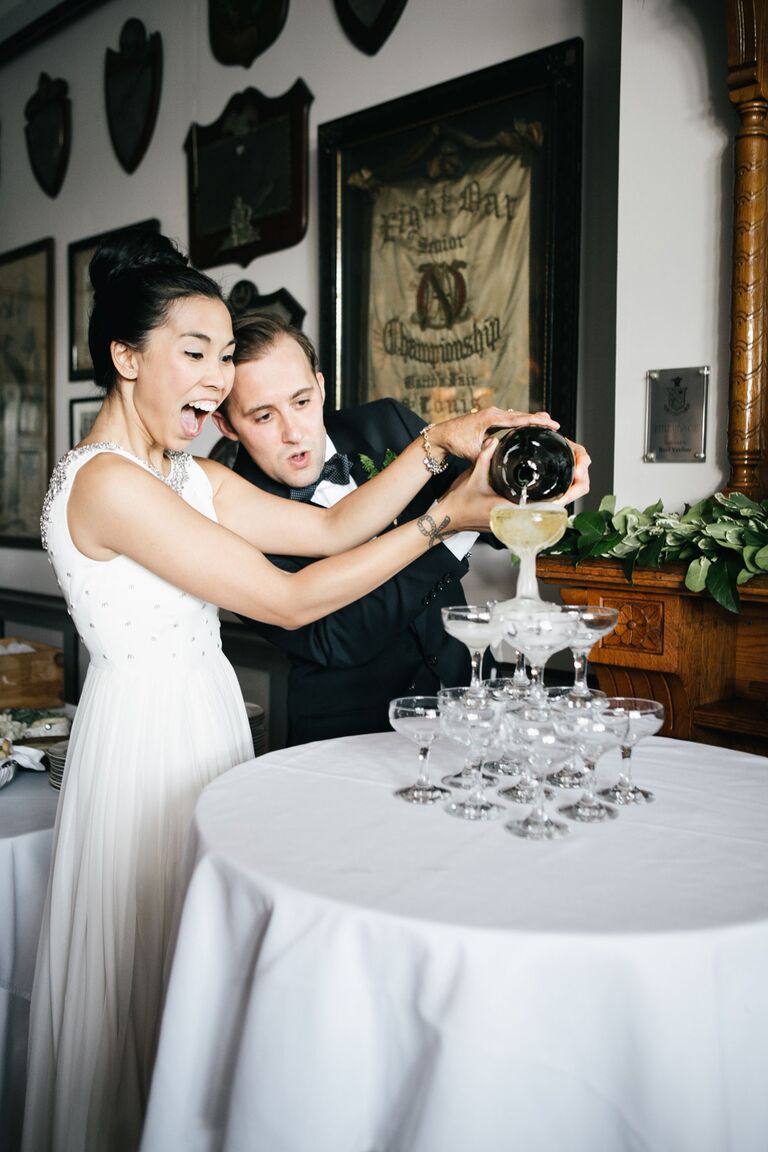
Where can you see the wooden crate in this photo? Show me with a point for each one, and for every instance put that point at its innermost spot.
(31, 679)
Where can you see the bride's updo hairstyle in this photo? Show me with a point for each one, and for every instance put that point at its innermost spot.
(136, 278)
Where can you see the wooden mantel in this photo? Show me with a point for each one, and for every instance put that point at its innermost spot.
(709, 667)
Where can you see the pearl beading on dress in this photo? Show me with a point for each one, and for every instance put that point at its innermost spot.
(175, 479)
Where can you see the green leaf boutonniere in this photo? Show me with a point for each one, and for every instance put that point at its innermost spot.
(370, 468)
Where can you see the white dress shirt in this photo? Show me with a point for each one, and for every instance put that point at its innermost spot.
(327, 494)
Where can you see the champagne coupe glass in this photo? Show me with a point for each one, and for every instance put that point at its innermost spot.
(452, 725)
(645, 719)
(594, 622)
(526, 529)
(471, 624)
(537, 632)
(418, 718)
(536, 730)
(592, 731)
(571, 774)
(510, 691)
(471, 716)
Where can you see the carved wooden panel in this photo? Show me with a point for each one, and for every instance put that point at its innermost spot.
(640, 627)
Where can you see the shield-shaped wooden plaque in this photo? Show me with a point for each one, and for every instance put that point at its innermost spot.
(245, 297)
(240, 30)
(368, 23)
(132, 82)
(248, 176)
(49, 132)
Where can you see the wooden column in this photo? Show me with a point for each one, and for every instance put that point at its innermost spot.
(747, 75)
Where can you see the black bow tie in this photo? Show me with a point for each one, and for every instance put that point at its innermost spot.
(335, 469)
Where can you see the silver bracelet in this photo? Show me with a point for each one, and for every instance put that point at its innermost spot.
(435, 467)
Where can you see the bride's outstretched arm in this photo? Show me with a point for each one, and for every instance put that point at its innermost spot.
(118, 508)
(276, 526)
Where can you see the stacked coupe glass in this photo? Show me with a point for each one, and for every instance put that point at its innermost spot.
(538, 747)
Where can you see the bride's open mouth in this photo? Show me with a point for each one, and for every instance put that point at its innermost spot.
(193, 416)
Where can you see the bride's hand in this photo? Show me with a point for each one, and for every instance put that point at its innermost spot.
(464, 435)
(469, 500)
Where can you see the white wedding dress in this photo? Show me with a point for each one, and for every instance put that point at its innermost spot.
(161, 714)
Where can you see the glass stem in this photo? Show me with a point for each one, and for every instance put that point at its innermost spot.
(580, 686)
(588, 795)
(423, 777)
(527, 585)
(476, 656)
(476, 797)
(625, 772)
(537, 812)
(521, 676)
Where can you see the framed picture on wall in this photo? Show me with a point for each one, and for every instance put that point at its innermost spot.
(248, 177)
(26, 390)
(82, 414)
(449, 229)
(81, 294)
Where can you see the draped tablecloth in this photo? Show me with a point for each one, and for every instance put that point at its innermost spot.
(355, 974)
(27, 815)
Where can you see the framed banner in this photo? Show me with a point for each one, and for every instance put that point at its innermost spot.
(26, 390)
(81, 295)
(449, 230)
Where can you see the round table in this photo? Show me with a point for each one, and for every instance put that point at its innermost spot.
(355, 973)
(27, 815)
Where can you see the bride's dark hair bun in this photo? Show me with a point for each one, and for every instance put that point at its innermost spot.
(136, 276)
(132, 250)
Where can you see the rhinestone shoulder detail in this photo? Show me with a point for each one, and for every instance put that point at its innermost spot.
(175, 479)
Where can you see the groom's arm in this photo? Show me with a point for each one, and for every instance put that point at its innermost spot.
(357, 633)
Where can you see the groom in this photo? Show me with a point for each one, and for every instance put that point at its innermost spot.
(349, 665)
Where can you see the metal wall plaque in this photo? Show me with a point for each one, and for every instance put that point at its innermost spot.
(676, 420)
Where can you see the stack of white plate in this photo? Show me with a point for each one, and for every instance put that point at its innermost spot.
(57, 755)
(258, 728)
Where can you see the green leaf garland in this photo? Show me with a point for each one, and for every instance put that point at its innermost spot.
(723, 540)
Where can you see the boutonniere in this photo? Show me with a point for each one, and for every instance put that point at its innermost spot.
(371, 470)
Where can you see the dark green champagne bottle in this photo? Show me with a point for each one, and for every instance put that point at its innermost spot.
(530, 463)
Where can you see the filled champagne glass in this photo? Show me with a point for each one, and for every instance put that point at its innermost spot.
(526, 529)
(470, 624)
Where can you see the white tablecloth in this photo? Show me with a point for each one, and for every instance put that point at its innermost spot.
(354, 973)
(27, 814)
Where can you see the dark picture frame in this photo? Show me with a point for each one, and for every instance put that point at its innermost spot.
(26, 390)
(80, 294)
(82, 413)
(248, 177)
(526, 110)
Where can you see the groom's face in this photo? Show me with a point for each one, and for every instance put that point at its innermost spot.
(275, 410)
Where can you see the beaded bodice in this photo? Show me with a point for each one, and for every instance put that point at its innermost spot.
(126, 616)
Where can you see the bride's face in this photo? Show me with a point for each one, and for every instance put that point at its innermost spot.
(184, 371)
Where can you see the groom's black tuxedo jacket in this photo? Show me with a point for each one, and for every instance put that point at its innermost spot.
(349, 665)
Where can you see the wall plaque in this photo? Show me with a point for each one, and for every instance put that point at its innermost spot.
(248, 177)
(676, 423)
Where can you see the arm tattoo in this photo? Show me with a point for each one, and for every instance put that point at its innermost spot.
(436, 533)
